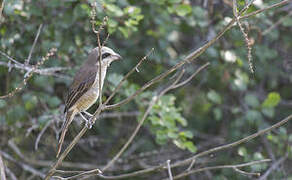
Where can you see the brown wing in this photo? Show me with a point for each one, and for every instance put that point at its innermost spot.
(83, 81)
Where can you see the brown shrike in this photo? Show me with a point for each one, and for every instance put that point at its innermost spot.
(84, 91)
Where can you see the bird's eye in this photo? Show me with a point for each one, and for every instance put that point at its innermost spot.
(105, 55)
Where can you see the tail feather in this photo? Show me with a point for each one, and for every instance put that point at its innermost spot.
(69, 117)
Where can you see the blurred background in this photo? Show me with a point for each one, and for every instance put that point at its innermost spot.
(224, 103)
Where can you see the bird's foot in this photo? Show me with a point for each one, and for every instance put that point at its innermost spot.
(87, 113)
(89, 123)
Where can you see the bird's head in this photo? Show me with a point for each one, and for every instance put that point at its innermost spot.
(107, 56)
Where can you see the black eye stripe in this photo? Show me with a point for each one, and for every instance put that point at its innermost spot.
(105, 55)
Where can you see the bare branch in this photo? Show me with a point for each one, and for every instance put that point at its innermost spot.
(169, 170)
(273, 167)
(246, 173)
(36, 145)
(10, 58)
(2, 169)
(277, 23)
(44, 71)
(10, 174)
(221, 167)
(281, 3)
(33, 45)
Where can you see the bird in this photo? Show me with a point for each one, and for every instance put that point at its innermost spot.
(84, 90)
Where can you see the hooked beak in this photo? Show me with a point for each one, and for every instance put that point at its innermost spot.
(117, 57)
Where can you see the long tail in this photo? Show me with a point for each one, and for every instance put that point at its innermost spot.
(69, 117)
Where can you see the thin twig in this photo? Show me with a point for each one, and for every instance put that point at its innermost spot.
(33, 45)
(169, 170)
(281, 3)
(10, 58)
(2, 169)
(127, 75)
(276, 24)
(36, 145)
(273, 167)
(44, 71)
(246, 173)
(10, 174)
(220, 167)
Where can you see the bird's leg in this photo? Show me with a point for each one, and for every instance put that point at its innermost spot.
(84, 118)
(88, 123)
(88, 114)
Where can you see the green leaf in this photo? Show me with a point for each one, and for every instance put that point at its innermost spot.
(54, 101)
(272, 100)
(174, 1)
(253, 115)
(2, 103)
(115, 10)
(217, 113)
(172, 135)
(287, 22)
(214, 97)
(183, 9)
(179, 144)
(242, 151)
(251, 100)
(190, 146)
(270, 112)
(187, 134)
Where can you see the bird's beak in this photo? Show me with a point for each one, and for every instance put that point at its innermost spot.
(117, 57)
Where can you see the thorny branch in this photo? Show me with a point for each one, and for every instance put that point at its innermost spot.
(189, 58)
(245, 35)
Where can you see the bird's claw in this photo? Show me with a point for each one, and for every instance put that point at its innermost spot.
(89, 123)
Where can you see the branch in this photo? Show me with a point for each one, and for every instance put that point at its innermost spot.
(44, 71)
(33, 45)
(223, 167)
(2, 169)
(169, 170)
(265, 9)
(273, 167)
(276, 24)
